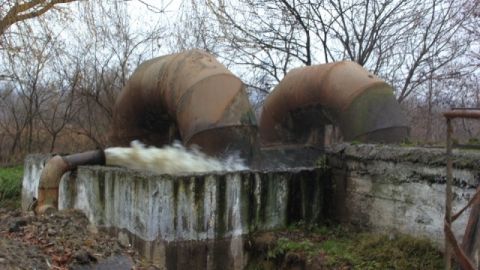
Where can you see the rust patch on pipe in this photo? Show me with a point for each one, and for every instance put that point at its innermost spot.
(49, 182)
(469, 113)
(53, 171)
(179, 97)
(341, 93)
(187, 96)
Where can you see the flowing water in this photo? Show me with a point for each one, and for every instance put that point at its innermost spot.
(170, 159)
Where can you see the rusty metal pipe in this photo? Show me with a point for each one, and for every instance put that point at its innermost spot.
(187, 96)
(462, 113)
(53, 171)
(341, 93)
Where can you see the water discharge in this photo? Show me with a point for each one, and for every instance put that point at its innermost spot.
(170, 159)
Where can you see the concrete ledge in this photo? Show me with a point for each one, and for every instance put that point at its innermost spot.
(430, 157)
(32, 170)
(163, 215)
(382, 188)
(389, 188)
(194, 207)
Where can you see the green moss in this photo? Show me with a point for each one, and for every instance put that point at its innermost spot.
(101, 189)
(248, 118)
(285, 245)
(221, 226)
(248, 204)
(372, 251)
(322, 162)
(338, 246)
(474, 141)
(199, 196)
(408, 143)
(10, 186)
(357, 118)
(176, 187)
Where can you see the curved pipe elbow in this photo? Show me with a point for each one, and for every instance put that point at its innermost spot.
(53, 171)
(187, 96)
(49, 181)
(343, 94)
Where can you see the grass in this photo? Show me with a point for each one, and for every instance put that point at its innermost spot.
(284, 245)
(10, 186)
(343, 248)
(373, 251)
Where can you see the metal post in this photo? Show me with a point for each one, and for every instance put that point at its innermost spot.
(464, 255)
(448, 194)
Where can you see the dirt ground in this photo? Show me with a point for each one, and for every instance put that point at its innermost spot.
(62, 240)
(66, 240)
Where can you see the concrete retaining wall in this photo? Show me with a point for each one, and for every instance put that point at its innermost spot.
(197, 221)
(31, 175)
(401, 189)
(191, 221)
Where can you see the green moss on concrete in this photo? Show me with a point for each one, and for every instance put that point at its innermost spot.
(248, 202)
(221, 224)
(176, 187)
(199, 196)
(322, 162)
(101, 188)
(370, 116)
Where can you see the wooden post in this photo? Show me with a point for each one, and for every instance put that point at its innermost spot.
(448, 194)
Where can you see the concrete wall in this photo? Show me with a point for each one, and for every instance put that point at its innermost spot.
(401, 189)
(197, 221)
(31, 175)
(191, 221)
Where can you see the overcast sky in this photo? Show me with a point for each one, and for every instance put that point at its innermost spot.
(145, 9)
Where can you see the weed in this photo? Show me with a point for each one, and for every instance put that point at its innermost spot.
(341, 246)
(372, 251)
(285, 245)
(10, 185)
(407, 143)
(322, 162)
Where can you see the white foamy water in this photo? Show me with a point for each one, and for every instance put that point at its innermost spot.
(170, 159)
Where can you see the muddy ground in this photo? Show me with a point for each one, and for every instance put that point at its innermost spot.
(66, 240)
(61, 240)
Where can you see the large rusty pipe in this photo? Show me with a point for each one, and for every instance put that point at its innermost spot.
(187, 96)
(53, 171)
(341, 93)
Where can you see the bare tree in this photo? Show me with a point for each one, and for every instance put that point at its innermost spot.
(27, 69)
(59, 107)
(13, 119)
(14, 11)
(193, 29)
(472, 27)
(113, 50)
(60, 72)
(396, 39)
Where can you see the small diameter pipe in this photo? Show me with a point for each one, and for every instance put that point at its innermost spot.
(53, 171)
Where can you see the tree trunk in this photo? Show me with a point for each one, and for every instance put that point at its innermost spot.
(52, 145)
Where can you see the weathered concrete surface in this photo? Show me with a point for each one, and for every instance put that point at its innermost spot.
(401, 189)
(197, 221)
(283, 157)
(192, 221)
(32, 169)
